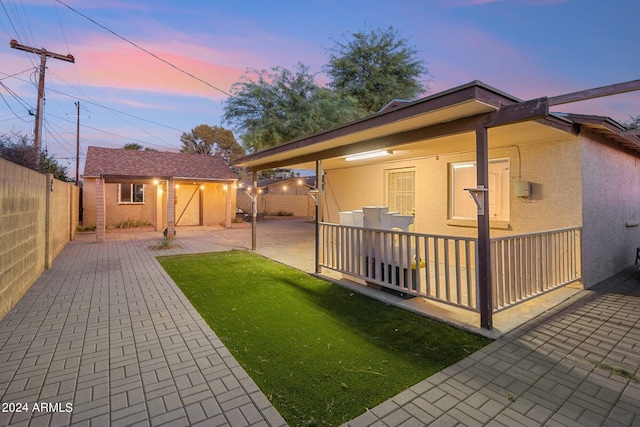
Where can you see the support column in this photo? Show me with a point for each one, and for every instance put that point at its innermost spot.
(254, 211)
(484, 242)
(230, 208)
(160, 206)
(171, 208)
(100, 211)
(319, 213)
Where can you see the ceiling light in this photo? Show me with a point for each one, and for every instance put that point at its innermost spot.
(368, 155)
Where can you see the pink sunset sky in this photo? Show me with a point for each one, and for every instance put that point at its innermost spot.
(527, 48)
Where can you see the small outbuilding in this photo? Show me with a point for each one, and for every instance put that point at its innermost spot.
(158, 188)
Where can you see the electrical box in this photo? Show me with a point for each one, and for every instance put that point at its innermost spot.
(522, 189)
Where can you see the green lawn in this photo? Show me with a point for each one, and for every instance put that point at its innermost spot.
(321, 353)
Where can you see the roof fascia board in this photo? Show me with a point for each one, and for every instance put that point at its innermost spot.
(469, 92)
(121, 178)
(537, 109)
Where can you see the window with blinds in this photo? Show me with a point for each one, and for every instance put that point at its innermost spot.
(401, 190)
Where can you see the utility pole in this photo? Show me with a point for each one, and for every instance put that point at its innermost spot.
(37, 133)
(78, 144)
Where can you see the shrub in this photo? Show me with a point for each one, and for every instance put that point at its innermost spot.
(131, 223)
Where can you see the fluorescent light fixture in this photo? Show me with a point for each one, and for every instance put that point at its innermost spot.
(368, 155)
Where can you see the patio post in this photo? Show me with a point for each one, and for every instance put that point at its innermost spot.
(171, 208)
(484, 242)
(254, 211)
(100, 210)
(318, 202)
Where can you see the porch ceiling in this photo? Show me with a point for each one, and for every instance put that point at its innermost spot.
(439, 124)
(503, 136)
(464, 109)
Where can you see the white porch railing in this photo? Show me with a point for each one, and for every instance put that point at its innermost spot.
(443, 268)
(527, 265)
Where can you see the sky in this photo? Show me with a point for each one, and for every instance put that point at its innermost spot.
(526, 48)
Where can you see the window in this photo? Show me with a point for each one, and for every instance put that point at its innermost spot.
(463, 175)
(130, 193)
(401, 190)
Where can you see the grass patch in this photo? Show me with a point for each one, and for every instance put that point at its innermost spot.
(628, 375)
(320, 353)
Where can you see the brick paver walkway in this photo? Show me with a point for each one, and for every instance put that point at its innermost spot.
(105, 338)
(569, 367)
(108, 332)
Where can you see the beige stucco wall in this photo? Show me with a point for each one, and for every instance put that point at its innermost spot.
(215, 209)
(214, 204)
(28, 244)
(89, 202)
(553, 168)
(611, 209)
(116, 213)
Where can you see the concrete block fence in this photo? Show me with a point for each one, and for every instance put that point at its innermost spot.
(38, 217)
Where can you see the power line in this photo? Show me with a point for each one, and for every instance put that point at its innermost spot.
(16, 74)
(88, 101)
(21, 101)
(145, 50)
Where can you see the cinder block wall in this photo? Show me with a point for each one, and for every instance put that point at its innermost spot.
(271, 204)
(28, 243)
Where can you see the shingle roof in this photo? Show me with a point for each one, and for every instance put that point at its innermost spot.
(119, 162)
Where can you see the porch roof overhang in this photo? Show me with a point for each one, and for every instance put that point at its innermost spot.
(609, 130)
(442, 123)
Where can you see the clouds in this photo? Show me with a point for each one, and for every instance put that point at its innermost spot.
(527, 48)
(101, 62)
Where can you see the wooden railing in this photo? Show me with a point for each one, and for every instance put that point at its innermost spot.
(443, 268)
(436, 267)
(527, 265)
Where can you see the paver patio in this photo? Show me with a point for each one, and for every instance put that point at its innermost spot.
(108, 332)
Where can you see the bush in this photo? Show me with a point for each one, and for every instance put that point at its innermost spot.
(131, 223)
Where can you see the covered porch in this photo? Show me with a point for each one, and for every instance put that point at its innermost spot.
(468, 269)
(443, 269)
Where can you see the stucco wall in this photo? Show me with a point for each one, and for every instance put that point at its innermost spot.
(89, 202)
(611, 210)
(28, 243)
(553, 168)
(116, 213)
(214, 204)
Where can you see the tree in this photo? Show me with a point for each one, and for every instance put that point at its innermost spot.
(211, 140)
(270, 108)
(375, 68)
(17, 148)
(134, 146)
(632, 123)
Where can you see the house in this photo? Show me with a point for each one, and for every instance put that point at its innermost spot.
(505, 200)
(279, 196)
(160, 188)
